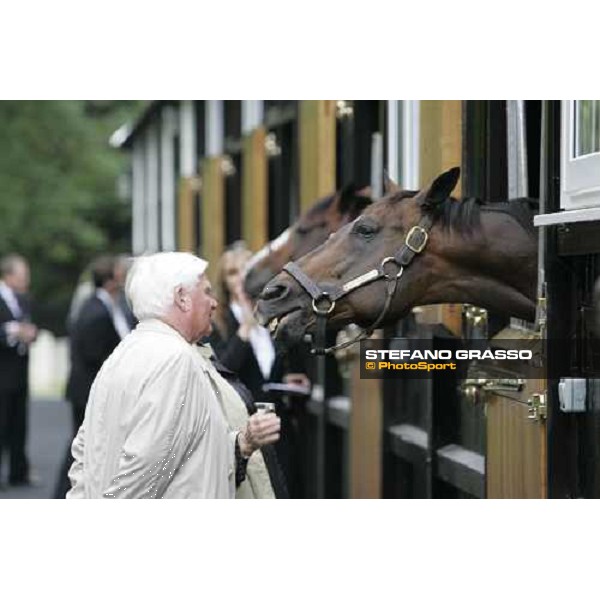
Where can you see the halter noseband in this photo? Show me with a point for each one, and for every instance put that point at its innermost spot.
(323, 303)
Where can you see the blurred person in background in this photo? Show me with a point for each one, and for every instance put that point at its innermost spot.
(240, 343)
(246, 349)
(16, 334)
(124, 262)
(154, 425)
(86, 288)
(98, 326)
(83, 291)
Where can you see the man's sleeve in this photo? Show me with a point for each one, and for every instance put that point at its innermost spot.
(167, 422)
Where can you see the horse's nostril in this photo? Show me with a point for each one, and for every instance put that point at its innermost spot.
(274, 292)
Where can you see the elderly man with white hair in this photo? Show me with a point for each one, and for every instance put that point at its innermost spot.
(154, 426)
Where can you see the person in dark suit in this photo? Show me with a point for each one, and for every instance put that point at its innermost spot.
(16, 334)
(98, 328)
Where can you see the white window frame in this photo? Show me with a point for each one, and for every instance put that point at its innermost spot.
(187, 139)
(168, 199)
(580, 176)
(215, 128)
(252, 115)
(138, 220)
(404, 142)
(152, 172)
(518, 184)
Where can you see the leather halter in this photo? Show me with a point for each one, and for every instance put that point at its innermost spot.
(391, 269)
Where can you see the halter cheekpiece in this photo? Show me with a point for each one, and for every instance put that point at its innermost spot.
(390, 269)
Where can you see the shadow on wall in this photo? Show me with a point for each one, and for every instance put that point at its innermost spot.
(48, 366)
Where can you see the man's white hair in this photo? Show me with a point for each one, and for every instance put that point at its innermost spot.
(153, 279)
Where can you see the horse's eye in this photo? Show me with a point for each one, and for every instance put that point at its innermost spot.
(365, 229)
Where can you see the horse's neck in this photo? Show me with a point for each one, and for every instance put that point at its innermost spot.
(497, 267)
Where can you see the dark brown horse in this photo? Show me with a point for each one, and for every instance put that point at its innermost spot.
(311, 230)
(432, 248)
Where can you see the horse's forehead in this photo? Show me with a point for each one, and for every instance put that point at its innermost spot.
(325, 213)
(265, 251)
(281, 240)
(391, 210)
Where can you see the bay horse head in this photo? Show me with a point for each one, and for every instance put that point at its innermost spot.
(423, 248)
(310, 230)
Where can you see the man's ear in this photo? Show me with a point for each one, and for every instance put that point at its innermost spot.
(182, 300)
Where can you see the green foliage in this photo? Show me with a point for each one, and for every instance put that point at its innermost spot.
(58, 201)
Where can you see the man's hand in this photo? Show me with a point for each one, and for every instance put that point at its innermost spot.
(261, 429)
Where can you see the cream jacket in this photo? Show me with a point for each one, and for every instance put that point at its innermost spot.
(154, 426)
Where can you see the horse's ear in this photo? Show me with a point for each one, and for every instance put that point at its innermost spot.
(389, 185)
(442, 187)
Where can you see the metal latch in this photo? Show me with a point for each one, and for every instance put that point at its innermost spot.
(537, 407)
(473, 388)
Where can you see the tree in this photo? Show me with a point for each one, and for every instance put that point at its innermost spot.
(58, 201)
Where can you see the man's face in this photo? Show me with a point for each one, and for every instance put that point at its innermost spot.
(116, 283)
(120, 275)
(18, 280)
(203, 306)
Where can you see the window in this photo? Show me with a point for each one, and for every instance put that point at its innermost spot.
(580, 150)
(587, 127)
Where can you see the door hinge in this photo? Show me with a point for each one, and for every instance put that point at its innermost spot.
(537, 407)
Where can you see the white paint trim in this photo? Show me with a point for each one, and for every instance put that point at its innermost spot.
(377, 165)
(252, 115)
(187, 139)
(411, 128)
(393, 140)
(568, 216)
(138, 219)
(152, 178)
(168, 178)
(518, 185)
(215, 128)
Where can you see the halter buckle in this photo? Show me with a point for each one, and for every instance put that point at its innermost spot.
(391, 259)
(421, 241)
(323, 296)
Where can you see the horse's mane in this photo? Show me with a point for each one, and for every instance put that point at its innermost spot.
(465, 216)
